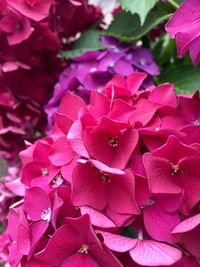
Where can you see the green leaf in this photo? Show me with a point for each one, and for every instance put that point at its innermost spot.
(126, 27)
(185, 78)
(140, 7)
(88, 41)
(164, 50)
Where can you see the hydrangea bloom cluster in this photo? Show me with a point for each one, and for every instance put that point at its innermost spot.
(184, 26)
(116, 183)
(31, 33)
(94, 69)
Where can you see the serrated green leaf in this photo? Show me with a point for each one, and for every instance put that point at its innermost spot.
(126, 27)
(90, 40)
(140, 7)
(185, 78)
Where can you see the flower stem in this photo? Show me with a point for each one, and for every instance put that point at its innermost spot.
(173, 3)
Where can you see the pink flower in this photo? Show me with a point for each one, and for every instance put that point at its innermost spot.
(16, 27)
(184, 27)
(102, 187)
(173, 173)
(188, 233)
(80, 247)
(156, 253)
(101, 175)
(33, 9)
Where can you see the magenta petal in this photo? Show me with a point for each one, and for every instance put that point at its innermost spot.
(189, 233)
(134, 81)
(75, 138)
(118, 243)
(88, 189)
(71, 105)
(187, 225)
(124, 187)
(164, 95)
(37, 230)
(173, 144)
(159, 224)
(57, 204)
(97, 218)
(152, 253)
(159, 175)
(99, 104)
(79, 259)
(58, 248)
(61, 152)
(37, 12)
(41, 203)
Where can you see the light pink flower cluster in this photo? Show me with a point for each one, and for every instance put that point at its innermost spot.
(31, 34)
(117, 183)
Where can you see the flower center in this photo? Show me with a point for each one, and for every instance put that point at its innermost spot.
(197, 122)
(46, 215)
(157, 128)
(44, 171)
(113, 142)
(142, 62)
(175, 169)
(105, 177)
(57, 181)
(84, 249)
(149, 202)
(18, 26)
(93, 70)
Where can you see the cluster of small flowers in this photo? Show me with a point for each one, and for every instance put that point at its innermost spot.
(115, 184)
(92, 70)
(31, 33)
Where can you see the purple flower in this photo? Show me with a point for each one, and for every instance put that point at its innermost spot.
(92, 70)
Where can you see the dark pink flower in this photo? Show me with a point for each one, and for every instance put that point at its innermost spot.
(95, 188)
(184, 27)
(173, 173)
(33, 9)
(80, 247)
(16, 27)
(188, 233)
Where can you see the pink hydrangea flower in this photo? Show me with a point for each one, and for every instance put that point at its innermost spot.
(116, 182)
(184, 27)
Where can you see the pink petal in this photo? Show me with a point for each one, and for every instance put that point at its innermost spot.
(159, 224)
(124, 187)
(79, 259)
(134, 81)
(97, 218)
(88, 189)
(118, 243)
(41, 202)
(75, 138)
(152, 253)
(159, 175)
(61, 152)
(71, 105)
